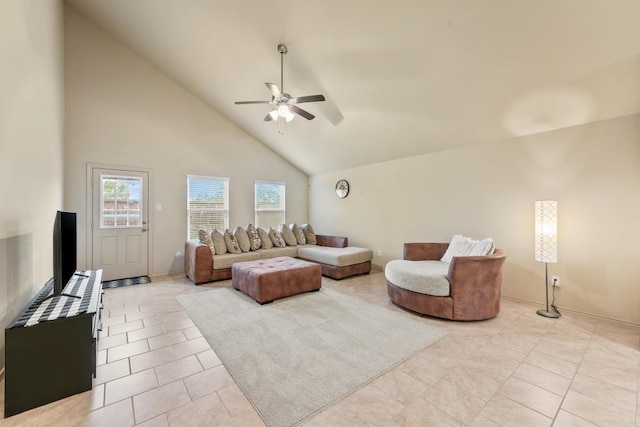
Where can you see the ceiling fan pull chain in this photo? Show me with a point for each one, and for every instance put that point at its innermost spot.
(281, 125)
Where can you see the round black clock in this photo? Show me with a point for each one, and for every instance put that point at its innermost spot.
(342, 188)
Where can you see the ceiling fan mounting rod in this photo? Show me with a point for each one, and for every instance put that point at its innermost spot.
(282, 49)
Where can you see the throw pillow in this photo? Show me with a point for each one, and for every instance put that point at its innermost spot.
(243, 239)
(276, 238)
(266, 239)
(297, 231)
(287, 235)
(309, 234)
(254, 237)
(218, 242)
(231, 242)
(206, 239)
(466, 246)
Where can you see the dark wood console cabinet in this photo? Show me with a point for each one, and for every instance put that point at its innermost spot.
(51, 346)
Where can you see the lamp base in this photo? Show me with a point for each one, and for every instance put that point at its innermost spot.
(547, 313)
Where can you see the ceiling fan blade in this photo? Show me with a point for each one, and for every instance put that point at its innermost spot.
(274, 90)
(310, 98)
(299, 111)
(268, 117)
(252, 102)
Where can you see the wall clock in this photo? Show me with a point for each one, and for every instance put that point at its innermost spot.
(342, 188)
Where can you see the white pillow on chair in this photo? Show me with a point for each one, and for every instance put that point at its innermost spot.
(466, 246)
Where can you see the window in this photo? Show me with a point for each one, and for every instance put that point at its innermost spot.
(270, 204)
(207, 204)
(120, 201)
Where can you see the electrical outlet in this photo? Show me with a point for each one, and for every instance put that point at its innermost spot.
(555, 281)
(379, 252)
(178, 254)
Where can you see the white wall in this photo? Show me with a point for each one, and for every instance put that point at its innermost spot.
(122, 111)
(489, 191)
(31, 153)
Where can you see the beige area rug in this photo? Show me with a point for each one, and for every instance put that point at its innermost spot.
(297, 355)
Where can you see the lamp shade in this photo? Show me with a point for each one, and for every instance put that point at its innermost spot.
(546, 228)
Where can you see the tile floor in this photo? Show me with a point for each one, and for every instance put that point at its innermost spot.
(518, 369)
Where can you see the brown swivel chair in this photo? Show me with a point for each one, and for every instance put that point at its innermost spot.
(475, 285)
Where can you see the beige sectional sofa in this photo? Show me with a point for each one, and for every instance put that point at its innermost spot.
(337, 259)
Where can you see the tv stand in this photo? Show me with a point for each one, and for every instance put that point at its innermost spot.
(50, 347)
(62, 295)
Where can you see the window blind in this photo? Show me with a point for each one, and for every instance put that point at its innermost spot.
(207, 204)
(269, 203)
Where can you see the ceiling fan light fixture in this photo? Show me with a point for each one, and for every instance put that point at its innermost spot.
(274, 114)
(283, 111)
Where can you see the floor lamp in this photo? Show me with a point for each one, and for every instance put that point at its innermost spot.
(546, 217)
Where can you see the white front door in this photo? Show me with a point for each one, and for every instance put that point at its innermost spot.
(120, 223)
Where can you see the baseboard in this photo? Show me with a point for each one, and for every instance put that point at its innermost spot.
(177, 273)
(570, 310)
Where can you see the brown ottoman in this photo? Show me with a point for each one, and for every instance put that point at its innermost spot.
(267, 279)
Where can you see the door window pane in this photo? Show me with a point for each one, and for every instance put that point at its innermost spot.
(120, 205)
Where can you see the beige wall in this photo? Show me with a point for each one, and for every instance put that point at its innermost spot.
(123, 112)
(489, 190)
(31, 154)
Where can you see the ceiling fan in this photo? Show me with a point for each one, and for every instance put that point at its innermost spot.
(284, 105)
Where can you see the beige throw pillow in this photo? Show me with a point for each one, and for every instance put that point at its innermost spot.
(287, 235)
(309, 234)
(276, 238)
(231, 242)
(254, 237)
(243, 239)
(297, 231)
(266, 239)
(218, 242)
(206, 239)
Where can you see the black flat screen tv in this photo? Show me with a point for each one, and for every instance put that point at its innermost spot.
(64, 250)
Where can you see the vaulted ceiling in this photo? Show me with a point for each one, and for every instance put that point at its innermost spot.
(401, 78)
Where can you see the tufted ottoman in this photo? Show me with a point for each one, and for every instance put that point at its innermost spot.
(267, 279)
